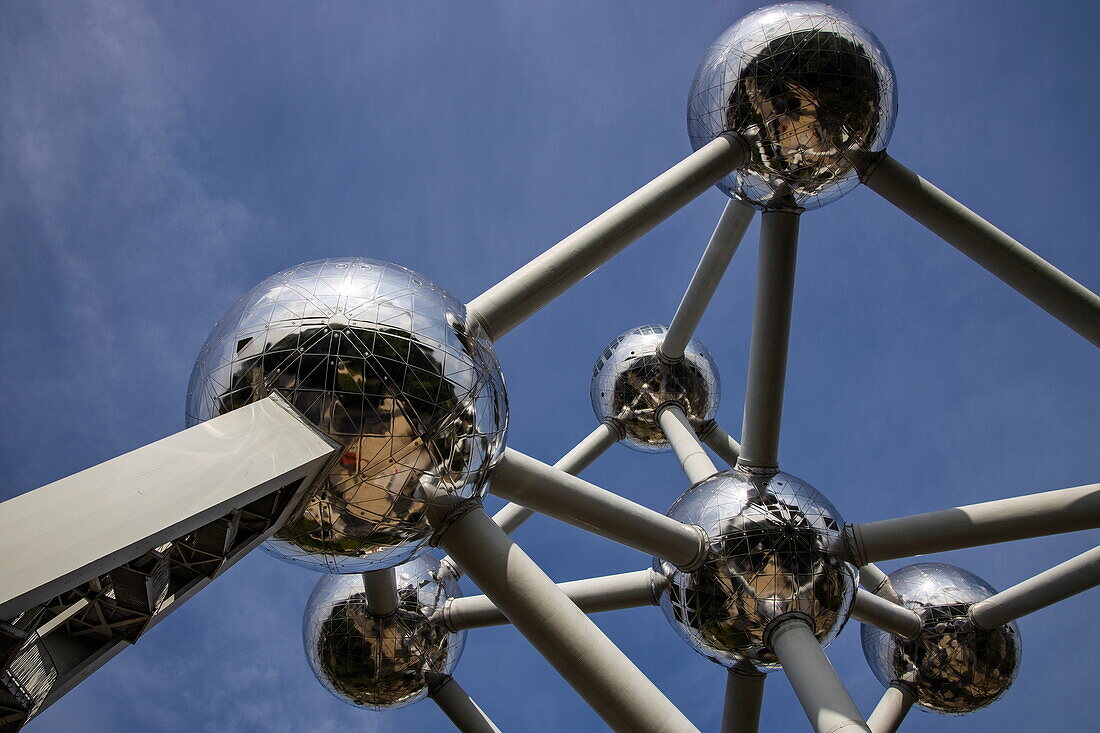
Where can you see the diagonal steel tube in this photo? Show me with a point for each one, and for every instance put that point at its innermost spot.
(1074, 576)
(892, 707)
(457, 705)
(592, 595)
(581, 457)
(823, 696)
(771, 328)
(886, 615)
(1004, 520)
(744, 697)
(523, 293)
(1029, 274)
(534, 484)
(716, 258)
(693, 459)
(581, 653)
(721, 442)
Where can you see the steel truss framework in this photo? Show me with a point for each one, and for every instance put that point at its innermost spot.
(59, 622)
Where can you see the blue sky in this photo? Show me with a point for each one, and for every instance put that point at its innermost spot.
(157, 160)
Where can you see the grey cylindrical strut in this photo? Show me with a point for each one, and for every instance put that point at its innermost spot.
(523, 293)
(457, 705)
(533, 484)
(875, 580)
(1074, 576)
(721, 442)
(716, 258)
(1052, 290)
(381, 590)
(578, 650)
(1005, 520)
(892, 708)
(771, 328)
(744, 696)
(581, 457)
(592, 595)
(888, 616)
(824, 698)
(693, 459)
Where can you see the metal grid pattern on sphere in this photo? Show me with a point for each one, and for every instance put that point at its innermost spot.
(630, 381)
(374, 661)
(808, 85)
(769, 554)
(954, 667)
(378, 357)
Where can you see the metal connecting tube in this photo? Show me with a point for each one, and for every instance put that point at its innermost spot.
(744, 697)
(467, 716)
(892, 707)
(1074, 576)
(523, 293)
(888, 616)
(771, 328)
(716, 258)
(1029, 274)
(823, 696)
(721, 442)
(381, 591)
(1004, 520)
(600, 673)
(534, 484)
(581, 457)
(591, 595)
(693, 459)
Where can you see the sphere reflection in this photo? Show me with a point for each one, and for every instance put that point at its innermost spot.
(629, 383)
(769, 540)
(381, 359)
(955, 667)
(810, 85)
(379, 662)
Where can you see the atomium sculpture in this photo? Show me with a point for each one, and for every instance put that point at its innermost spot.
(352, 414)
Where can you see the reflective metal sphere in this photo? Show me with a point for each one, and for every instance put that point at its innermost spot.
(381, 359)
(379, 662)
(809, 84)
(955, 667)
(768, 557)
(629, 382)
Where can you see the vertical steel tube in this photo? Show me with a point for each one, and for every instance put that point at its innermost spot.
(721, 442)
(582, 654)
(693, 459)
(523, 293)
(1029, 274)
(381, 591)
(823, 696)
(716, 258)
(1074, 576)
(581, 457)
(771, 327)
(888, 616)
(892, 708)
(744, 697)
(457, 705)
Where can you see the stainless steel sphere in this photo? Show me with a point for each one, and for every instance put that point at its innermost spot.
(769, 540)
(629, 383)
(379, 662)
(954, 667)
(809, 85)
(382, 360)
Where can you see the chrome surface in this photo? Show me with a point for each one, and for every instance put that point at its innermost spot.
(630, 381)
(810, 84)
(768, 557)
(955, 667)
(379, 662)
(380, 359)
